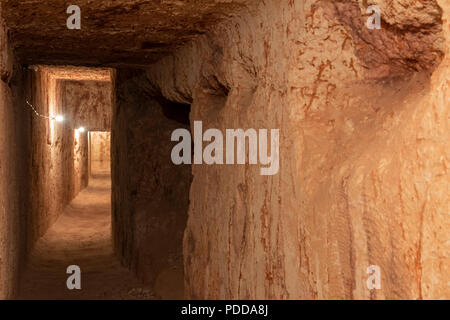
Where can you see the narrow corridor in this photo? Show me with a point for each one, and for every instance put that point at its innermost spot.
(81, 236)
(225, 150)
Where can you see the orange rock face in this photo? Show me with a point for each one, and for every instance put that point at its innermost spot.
(363, 153)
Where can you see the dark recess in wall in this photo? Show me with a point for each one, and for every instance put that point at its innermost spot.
(150, 193)
(178, 112)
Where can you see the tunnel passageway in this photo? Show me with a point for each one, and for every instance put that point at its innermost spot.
(81, 236)
(225, 149)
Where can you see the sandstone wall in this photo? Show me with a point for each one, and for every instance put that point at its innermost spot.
(89, 104)
(53, 154)
(150, 194)
(51, 149)
(14, 145)
(364, 150)
(80, 164)
(100, 149)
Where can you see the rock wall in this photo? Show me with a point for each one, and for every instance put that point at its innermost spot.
(364, 150)
(150, 194)
(14, 144)
(79, 164)
(100, 152)
(89, 104)
(51, 157)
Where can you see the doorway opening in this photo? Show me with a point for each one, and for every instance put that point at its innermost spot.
(99, 153)
(70, 224)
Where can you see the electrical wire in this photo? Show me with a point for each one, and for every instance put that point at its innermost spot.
(36, 112)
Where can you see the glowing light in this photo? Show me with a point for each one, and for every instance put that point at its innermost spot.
(81, 129)
(59, 118)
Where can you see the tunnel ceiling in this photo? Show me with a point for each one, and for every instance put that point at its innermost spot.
(113, 33)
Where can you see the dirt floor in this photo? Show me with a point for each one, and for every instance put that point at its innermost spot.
(81, 236)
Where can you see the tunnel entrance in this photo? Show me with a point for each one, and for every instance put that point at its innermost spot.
(70, 223)
(105, 196)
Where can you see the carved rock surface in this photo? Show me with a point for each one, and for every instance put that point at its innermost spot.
(14, 123)
(364, 152)
(126, 32)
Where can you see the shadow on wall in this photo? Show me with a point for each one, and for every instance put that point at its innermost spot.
(150, 193)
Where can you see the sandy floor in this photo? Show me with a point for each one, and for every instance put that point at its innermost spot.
(81, 236)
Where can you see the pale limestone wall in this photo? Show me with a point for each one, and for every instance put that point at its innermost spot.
(364, 153)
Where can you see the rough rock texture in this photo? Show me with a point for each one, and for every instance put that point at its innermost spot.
(100, 152)
(150, 194)
(407, 41)
(88, 104)
(78, 165)
(364, 152)
(52, 155)
(112, 32)
(14, 143)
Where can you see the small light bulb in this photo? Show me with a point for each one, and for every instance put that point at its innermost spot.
(81, 129)
(59, 118)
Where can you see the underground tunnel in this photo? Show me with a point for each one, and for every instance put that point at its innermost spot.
(238, 149)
